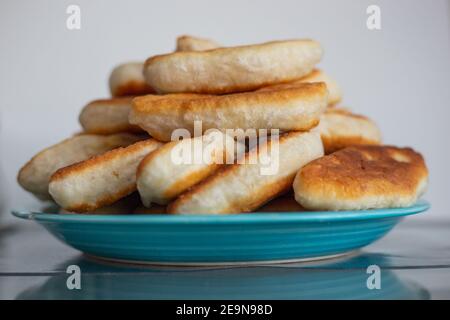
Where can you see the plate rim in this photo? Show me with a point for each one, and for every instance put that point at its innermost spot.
(269, 217)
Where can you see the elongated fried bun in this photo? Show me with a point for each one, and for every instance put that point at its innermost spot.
(243, 187)
(340, 128)
(107, 116)
(101, 180)
(295, 108)
(334, 92)
(362, 177)
(178, 165)
(35, 174)
(232, 69)
(127, 80)
(190, 43)
(112, 115)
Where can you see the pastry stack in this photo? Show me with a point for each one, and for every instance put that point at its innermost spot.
(209, 129)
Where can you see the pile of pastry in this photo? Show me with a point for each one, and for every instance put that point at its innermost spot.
(209, 129)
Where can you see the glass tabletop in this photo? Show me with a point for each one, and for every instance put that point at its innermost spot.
(413, 262)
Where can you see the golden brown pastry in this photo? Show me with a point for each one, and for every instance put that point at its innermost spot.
(339, 128)
(295, 108)
(35, 174)
(362, 177)
(101, 180)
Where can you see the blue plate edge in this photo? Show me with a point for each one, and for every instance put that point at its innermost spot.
(269, 217)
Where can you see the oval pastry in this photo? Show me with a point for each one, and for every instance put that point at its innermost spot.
(232, 69)
(362, 177)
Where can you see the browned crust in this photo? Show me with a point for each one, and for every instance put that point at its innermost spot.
(105, 201)
(145, 105)
(311, 77)
(100, 159)
(151, 99)
(290, 83)
(181, 44)
(29, 163)
(345, 112)
(244, 88)
(333, 144)
(189, 37)
(115, 129)
(312, 74)
(365, 171)
(132, 88)
(123, 206)
(259, 198)
(264, 195)
(96, 161)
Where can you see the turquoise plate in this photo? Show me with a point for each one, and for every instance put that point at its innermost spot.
(226, 239)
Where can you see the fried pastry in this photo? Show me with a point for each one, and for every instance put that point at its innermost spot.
(232, 69)
(334, 91)
(127, 80)
(362, 177)
(339, 128)
(101, 180)
(295, 108)
(35, 174)
(178, 165)
(244, 187)
(107, 116)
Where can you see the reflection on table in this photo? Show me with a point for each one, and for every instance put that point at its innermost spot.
(342, 279)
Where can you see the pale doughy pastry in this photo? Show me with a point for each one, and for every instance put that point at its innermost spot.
(339, 128)
(295, 108)
(362, 177)
(35, 174)
(178, 165)
(101, 180)
(112, 115)
(244, 187)
(232, 69)
(334, 91)
(107, 116)
(190, 43)
(128, 80)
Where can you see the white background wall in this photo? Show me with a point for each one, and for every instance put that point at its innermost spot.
(399, 75)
